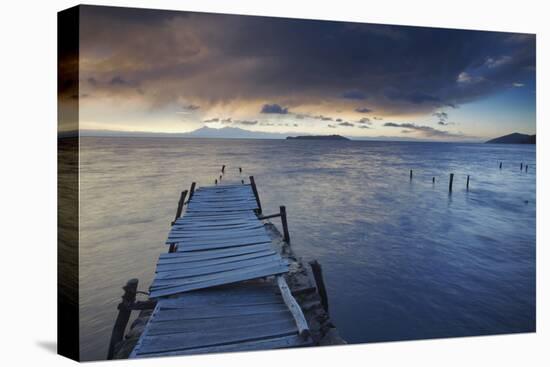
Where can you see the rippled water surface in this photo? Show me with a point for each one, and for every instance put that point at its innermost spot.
(402, 259)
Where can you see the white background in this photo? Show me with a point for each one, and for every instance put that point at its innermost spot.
(28, 181)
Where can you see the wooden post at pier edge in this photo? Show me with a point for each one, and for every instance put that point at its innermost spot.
(223, 168)
(521, 166)
(433, 180)
(500, 166)
(286, 235)
(180, 205)
(451, 182)
(320, 283)
(124, 311)
(411, 175)
(468, 183)
(192, 190)
(255, 191)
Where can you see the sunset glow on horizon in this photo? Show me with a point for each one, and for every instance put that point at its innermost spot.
(169, 71)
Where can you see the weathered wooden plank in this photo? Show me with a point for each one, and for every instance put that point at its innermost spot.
(297, 314)
(214, 254)
(187, 248)
(215, 216)
(187, 271)
(240, 299)
(201, 231)
(262, 344)
(163, 280)
(217, 210)
(213, 224)
(195, 205)
(187, 264)
(216, 235)
(220, 323)
(219, 311)
(164, 343)
(192, 245)
(228, 278)
(216, 228)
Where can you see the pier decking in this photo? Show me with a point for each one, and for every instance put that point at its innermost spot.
(221, 287)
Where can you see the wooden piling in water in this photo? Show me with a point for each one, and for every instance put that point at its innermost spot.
(468, 183)
(215, 181)
(240, 170)
(526, 167)
(124, 311)
(521, 166)
(223, 168)
(286, 235)
(181, 202)
(500, 166)
(192, 191)
(320, 283)
(255, 191)
(433, 180)
(451, 182)
(411, 174)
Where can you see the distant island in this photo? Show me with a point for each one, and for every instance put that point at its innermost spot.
(317, 137)
(514, 138)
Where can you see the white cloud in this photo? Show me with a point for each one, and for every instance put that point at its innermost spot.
(518, 85)
(495, 63)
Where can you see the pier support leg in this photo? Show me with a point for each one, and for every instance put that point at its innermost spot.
(468, 183)
(500, 165)
(320, 283)
(124, 310)
(255, 190)
(180, 205)
(411, 175)
(223, 168)
(521, 166)
(192, 190)
(451, 182)
(286, 235)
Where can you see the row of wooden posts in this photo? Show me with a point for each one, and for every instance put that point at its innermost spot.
(451, 179)
(521, 166)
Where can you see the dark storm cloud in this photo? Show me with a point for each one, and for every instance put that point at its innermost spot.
(191, 107)
(274, 108)
(426, 131)
(365, 120)
(215, 58)
(363, 110)
(441, 115)
(346, 124)
(245, 122)
(354, 94)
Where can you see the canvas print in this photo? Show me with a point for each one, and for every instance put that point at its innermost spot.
(233, 183)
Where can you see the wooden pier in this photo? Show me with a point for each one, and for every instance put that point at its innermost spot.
(222, 285)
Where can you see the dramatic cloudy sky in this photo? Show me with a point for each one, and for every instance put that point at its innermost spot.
(144, 70)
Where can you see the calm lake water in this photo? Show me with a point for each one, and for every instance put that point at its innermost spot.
(401, 259)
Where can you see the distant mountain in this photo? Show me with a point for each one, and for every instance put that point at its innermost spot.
(514, 138)
(203, 132)
(231, 133)
(317, 137)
